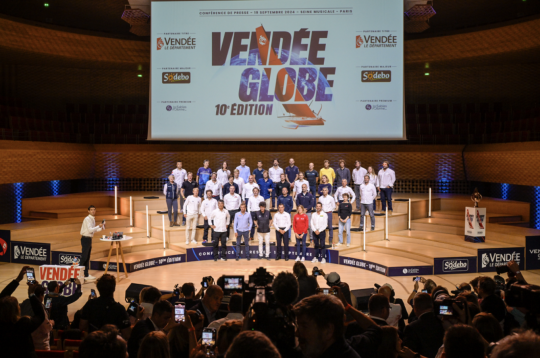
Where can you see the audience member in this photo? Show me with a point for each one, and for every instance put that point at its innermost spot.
(26, 306)
(105, 310)
(209, 305)
(249, 344)
(307, 284)
(379, 309)
(162, 315)
(149, 296)
(235, 312)
(154, 345)
(99, 344)
(462, 341)
(395, 309)
(491, 303)
(525, 345)
(425, 335)
(59, 303)
(226, 334)
(391, 345)
(488, 327)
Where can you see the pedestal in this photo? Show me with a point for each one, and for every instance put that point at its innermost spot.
(475, 224)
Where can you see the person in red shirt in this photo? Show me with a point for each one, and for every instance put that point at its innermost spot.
(300, 228)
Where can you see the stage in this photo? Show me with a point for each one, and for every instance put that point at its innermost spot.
(434, 246)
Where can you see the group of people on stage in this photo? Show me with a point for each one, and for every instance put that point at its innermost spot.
(243, 199)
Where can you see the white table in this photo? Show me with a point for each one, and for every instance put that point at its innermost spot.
(118, 247)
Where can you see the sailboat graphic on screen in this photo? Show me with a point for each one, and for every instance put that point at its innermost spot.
(300, 113)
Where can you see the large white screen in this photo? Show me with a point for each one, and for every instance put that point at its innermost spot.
(277, 70)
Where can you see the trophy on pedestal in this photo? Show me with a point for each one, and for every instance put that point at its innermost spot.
(475, 227)
(476, 197)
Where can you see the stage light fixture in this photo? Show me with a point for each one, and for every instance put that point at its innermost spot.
(46, 4)
(139, 75)
(426, 74)
(427, 64)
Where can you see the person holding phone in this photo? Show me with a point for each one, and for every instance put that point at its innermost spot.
(88, 229)
(60, 303)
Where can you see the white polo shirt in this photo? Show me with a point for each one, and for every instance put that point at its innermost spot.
(328, 203)
(386, 178)
(192, 205)
(275, 174)
(179, 176)
(344, 190)
(223, 176)
(207, 206)
(358, 175)
(282, 220)
(232, 202)
(319, 221)
(220, 219)
(368, 193)
(253, 203)
(215, 187)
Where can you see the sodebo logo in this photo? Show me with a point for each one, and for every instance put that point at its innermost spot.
(455, 265)
(176, 77)
(376, 76)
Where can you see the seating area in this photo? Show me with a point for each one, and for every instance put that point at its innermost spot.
(443, 123)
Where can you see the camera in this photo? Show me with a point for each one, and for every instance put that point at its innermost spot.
(316, 271)
(502, 269)
(521, 295)
(417, 279)
(176, 290)
(206, 281)
(133, 309)
(445, 307)
(327, 291)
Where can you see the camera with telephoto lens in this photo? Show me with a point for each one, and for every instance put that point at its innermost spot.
(522, 295)
(267, 315)
(207, 281)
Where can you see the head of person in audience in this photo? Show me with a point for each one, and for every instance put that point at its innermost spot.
(106, 285)
(526, 344)
(108, 328)
(154, 345)
(422, 303)
(249, 344)
(320, 323)
(206, 163)
(357, 164)
(345, 198)
(318, 207)
(386, 291)
(282, 177)
(486, 287)
(178, 338)
(300, 210)
(429, 285)
(311, 166)
(151, 295)
(179, 165)
(209, 194)
(171, 178)
(224, 166)
(37, 290)
(324, 179)
(366, 179)
(9, 310)
(214, 177)
(226, 334)
(260, 164)
(461, 341)
(304, 188)
(231, 180)
(281, 208)
(390, 343)
(162, 313)
(265, 175)
(101, 344)
(92, 210)
(221, 204)
(188, 290)
(195, 192)
(344, 183)
(236, 173)
(488, 326)
(379, 306)
(301, 176)
(243, 208)
(255, 192)
(300, 270)
(370, 170)
(291, 162)
(276, 163)
(212, 298)
(232, 189)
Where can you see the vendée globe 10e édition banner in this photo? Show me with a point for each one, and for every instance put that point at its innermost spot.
(279, 70)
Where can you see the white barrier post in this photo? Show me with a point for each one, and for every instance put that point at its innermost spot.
(429, 207)
(147, 224)
(409, 213)
(386, 224)
(365, 224)
(116, 200)
(130, 211)
(163, 223)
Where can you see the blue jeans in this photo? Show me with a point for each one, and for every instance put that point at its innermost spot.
(201, 190)
(301, 242)
(245, 235)
(330, 228)
(386, 194)
(320, 247)
(313, 190)
(274, 196)
(347, 226)
(172, 204)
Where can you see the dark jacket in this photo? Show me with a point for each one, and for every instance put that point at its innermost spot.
(341, 174)
(59, 308)
(279, 187)
(227, 186)
(340, 349)
(287, 202)
(199, 307)
(140, 330)
(307, 201)
(425, 335)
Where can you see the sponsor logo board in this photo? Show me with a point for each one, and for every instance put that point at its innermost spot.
(65, 258)
(410, 271)
(449, 265)
(32, 253)
(366, 265)
(139, 265)
(176, 77)
(206, 253)
(490, 259)
(377, 76)
(60, 273)
(5, 243)
(533, 252)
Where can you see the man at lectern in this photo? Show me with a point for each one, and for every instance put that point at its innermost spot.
(87, 233)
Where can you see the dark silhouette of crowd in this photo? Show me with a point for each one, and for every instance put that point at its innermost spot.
(286, 315)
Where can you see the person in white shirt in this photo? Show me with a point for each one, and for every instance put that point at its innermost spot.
(253, 207)
(88, 229)
(328, 206)
(395, 309)
(282, 224)
(368, 194)
(219, 221)
(275, 175)
(191, 213)
(298, 185)
(171, 191)
(215, 186)
(385, 183)
(248, 189)
(358, 178)
(319, 222)
(180, 175)
(223, 174)
(342, 190)
(239, 181)
(232, 203)
(235, 312)
(373, 180)
(207, 207)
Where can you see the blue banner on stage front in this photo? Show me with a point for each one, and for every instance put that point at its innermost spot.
(533, 252)
(139, 265)
(490, 259)
(64, 258)
(448, 265)
(5, 245)
(30, 253)
(206, 253)
(363, 264)
(410, 271)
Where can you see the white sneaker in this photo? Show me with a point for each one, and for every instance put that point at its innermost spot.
(297, 258)
(348, 245)
(323, 261)
(90, 277)
(338, 244)
(314, 260)
(194, 242)
(187, 242)
(303, 259)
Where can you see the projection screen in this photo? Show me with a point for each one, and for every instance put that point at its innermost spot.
(277, 70)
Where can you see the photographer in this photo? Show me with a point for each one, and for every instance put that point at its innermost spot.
(333, 279)
(379, 309)
(209, 305)
(491, 303)
(395, 318)
(307, 285)
(59, 304)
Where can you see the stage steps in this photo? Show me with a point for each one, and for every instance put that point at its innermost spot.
(68, 213)
(100, 248)
(491, 218)
(77, 201)
(395, 265)
(27, 230)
